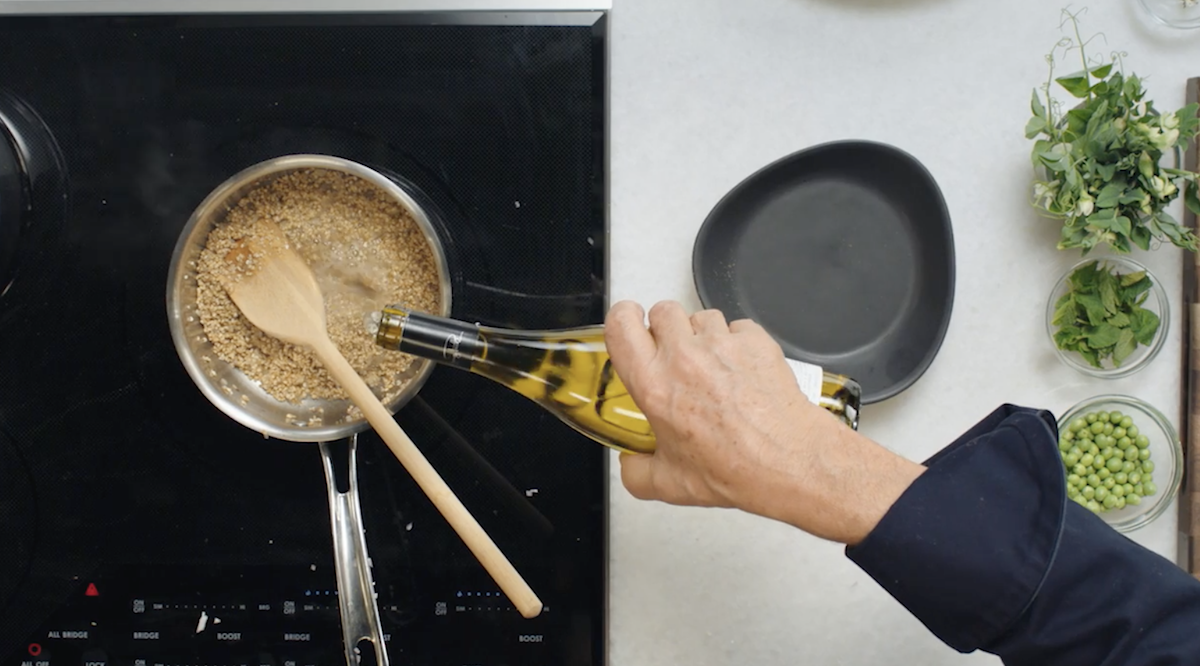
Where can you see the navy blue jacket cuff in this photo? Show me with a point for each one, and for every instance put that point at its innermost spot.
(986, 550)
(967, 546)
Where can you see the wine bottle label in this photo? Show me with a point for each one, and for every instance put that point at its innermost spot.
(445, 340)
(809, 377)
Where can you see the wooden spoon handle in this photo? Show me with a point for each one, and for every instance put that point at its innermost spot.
(468, 529)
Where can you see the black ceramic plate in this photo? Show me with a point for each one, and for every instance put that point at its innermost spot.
(844, 252)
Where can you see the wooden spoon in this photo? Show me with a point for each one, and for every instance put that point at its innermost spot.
(275, 289)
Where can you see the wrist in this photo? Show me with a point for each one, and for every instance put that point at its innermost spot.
(841, 487)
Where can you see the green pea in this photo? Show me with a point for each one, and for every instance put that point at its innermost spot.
(1098, 461)
(1118, 490)
(1126, 422)
(1142, 441)
(1107, 452)
(1110, 501)
(1148, 466)
(1115, 417)
(1103, 473)
(1093, 449)
(1118, 432)
(1119, 504)
(1067, 436)
(1075, 480)
(1072, 492)
(1088, 492)
(1128, 488)
(1135, 478)
(1108, 429)
(1080, 470)
(1128, 465)
(1150, 489)
(1114, 464)
(1097, 428)
(1103, 417)
(1077, 424)
(1125, 442)
(1093, 506)
(1121, 477)
(1091, 418)
(1093, 480)
(1087, 460)
(1101, 493)
(1139, 489)
(1110, 482)
(1133, 500)
(1132, 452)
(1144, 454)
(1147, 477)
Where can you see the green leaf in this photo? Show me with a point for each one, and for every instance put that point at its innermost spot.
(1129, 279)
(1110, 195)
(1105, 335)
(1070, 337)
(1123, 226)
(1096, 313)
(1102, 71)
(1169, 227)
(1064, 312)
(1141, 237)
(1120, 320)
(1147, 326)
(1103, 219)
(1034, 127)
(1124, 347)
(1039, 111)
(1084, 277)
(1108, 294)
(1130, 197)
(1130, 293)
(1091, 357)
(1077, 85)
(1191, 198)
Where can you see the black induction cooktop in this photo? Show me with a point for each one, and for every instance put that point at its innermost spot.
(140, 526)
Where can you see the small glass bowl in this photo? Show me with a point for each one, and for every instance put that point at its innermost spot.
(1143, 354)
(1166, 452)
(1173, 13)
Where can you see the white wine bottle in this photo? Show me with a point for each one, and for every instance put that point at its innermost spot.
(568, 372)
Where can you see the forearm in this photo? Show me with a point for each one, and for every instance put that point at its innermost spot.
(838, 489)
(986, 550)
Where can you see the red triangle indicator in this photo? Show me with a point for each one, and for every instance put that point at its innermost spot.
(92, 591)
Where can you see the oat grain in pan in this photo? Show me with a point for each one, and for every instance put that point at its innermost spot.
(366, 251)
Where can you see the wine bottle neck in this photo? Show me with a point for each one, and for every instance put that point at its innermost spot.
(443, 340)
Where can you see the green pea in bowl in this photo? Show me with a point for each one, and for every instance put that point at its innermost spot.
(1122, 458)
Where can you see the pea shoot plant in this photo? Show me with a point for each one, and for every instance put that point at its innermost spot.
(1101, 160)
(1099, 171)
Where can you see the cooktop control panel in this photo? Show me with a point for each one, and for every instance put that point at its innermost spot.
(251, 621)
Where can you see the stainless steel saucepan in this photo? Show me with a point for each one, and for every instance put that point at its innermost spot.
(244, 401)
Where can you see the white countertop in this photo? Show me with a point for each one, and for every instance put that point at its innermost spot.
(707, 91)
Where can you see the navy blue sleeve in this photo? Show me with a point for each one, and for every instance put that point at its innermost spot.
(986, 550)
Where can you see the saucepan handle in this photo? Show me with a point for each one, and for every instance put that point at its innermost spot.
(356, 589)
